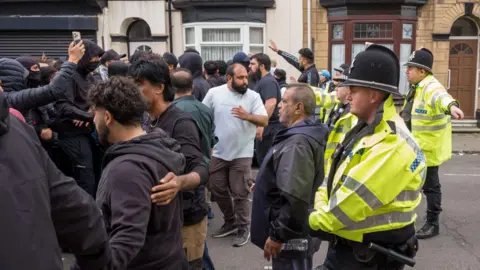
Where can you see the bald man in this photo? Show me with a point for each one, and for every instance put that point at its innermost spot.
(289, 176)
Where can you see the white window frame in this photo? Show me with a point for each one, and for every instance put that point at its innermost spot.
(244, 34)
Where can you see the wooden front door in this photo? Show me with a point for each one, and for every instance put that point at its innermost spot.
(463, 66)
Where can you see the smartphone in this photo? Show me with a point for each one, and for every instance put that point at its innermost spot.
(76, 36)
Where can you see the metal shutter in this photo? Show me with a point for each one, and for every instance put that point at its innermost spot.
(53, 43)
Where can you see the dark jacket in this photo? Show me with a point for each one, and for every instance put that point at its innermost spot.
(142, 235)
(216, 80)
(41, 208)
(180, 126)
(193, 62)
(282, 83)
(309, 76)
(73, 105)
(286, 183)
(22, 99)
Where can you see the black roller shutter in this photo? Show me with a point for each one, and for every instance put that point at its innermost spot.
(53, 43)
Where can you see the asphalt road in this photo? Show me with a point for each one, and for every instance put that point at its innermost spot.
(457, 247)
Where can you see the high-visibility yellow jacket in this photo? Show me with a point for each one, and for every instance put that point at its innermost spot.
(431, 121)
(336, 136)
(376, 188)
(325, 101)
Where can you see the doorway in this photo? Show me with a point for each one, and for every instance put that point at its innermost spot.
(463, 58)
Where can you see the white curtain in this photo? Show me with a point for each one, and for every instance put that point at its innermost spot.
(220, 52)
(190, 35)
(256, 35)
(405, 50)
(221, 35)
(358, 48)
(256, 49)
(338, 56)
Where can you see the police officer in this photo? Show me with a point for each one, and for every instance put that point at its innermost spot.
(340, 120)
(373, 187)
(427, 111)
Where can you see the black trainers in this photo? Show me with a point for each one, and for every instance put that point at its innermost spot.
(225, 231)
(242, 238)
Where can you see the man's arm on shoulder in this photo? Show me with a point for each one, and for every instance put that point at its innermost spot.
(188, 136)
(130, 189)
(78, 221)
(294, 177)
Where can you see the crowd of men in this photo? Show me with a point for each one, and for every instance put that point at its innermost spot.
(150, 142)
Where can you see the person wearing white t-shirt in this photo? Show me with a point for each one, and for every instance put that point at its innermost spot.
(237, 111)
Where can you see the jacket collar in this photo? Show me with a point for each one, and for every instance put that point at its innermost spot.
(182, 98)
(425, 81)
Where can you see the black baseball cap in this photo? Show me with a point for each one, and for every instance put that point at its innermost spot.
(111, 55)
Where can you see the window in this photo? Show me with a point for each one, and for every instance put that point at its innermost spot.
(373, 30)
(348, 38)
(221, 41)
(139, 31)
(464, 27)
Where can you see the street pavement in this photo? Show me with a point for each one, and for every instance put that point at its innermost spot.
(457, 247)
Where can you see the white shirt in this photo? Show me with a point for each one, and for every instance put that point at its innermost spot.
(235, 136)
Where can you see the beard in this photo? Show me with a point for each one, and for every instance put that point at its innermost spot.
(241, 89)
(103, 137)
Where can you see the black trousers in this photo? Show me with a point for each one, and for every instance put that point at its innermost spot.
(282, 262)
(342, 257)
(78, 149)
(262, 147)
(433, 192)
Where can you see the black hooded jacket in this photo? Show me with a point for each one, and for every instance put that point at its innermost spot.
(13, 76)
(286, 183)
(41, 208)
(73, 105)
(142, 235)
(193, 62)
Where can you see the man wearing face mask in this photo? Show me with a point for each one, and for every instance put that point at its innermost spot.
(31, 64)
(305, 64)
(73, 120)
(237, 111)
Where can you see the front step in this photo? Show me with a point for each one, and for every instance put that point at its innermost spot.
(465, 126)
(465, 130)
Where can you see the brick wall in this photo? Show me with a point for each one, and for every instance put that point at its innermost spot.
(437, 17)
(319, 27)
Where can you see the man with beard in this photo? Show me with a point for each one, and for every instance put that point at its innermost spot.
(305, 64)
(133, 163)
(154, 80)
(286, 183)
(73, 121)
(193, 62)
(244, 60)
(237, 111)
(269, 91)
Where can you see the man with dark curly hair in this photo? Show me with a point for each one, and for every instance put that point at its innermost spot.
(132, 166)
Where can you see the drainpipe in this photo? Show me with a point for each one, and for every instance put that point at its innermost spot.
(309, 24)
(170, 26)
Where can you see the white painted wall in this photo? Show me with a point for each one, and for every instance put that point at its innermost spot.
(285, 27)
(153, 12)
(177, 32)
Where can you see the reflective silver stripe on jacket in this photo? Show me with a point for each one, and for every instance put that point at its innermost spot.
(382, 219)
(430, 128)
(428, 117)
(438, 96)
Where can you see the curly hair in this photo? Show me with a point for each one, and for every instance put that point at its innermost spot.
(121, 97)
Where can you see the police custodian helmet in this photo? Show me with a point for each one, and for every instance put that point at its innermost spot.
(378, 68)
(422, 58)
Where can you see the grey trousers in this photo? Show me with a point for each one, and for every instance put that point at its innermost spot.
(231, 180)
